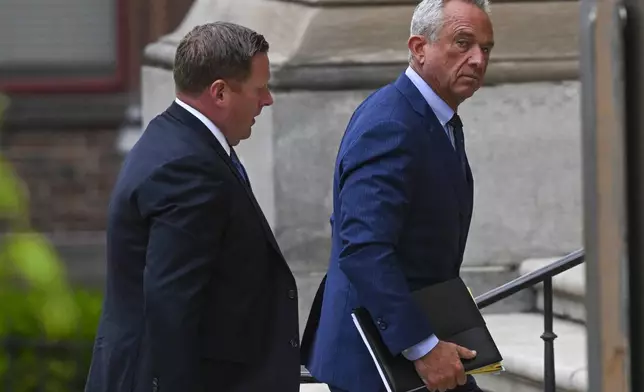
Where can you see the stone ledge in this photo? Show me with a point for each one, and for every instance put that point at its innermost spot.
(337, 48)
(348, 3)
(570, 308)
(356, 76)
(370, 76)
(481, 279)
(314, 388)
(571, 282)
(569, 289)
(518, 337)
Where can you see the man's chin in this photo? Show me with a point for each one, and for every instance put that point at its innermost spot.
(247, 134)
(240, 135)
(466, 91)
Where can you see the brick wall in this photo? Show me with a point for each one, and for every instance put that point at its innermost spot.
(68, 168)
(69, 174)
(70, 171)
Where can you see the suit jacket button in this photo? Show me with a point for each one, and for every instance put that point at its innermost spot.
(294, 343)
(292, 294)
(381, 324)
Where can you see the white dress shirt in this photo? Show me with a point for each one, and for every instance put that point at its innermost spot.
(212, 127)
(443, 112)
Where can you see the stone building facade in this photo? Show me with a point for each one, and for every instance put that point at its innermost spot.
(522, 129)
(523, 133)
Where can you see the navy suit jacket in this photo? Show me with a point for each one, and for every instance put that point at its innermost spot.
(198, 296)
(401, 213)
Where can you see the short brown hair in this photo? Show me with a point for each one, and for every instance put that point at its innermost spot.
(212, 51)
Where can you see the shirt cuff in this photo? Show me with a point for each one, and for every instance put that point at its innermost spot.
(421, 349)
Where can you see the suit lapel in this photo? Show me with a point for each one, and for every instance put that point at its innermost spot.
(267, 228)
(443, 146)
(205, 135)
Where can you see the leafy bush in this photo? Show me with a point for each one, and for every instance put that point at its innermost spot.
(46, 326)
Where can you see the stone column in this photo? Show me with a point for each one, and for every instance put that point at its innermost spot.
(327, 55)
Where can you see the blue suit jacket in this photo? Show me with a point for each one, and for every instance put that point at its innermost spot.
(401, 213)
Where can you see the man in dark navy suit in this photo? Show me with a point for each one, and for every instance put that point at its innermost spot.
(402, 205)
(199, 296)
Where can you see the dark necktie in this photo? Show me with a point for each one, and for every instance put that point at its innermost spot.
(459, 141)
(239, 166)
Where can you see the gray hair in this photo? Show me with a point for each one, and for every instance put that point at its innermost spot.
(428, 16)
(213, 51)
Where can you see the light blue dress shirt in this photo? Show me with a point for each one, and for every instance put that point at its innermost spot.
(442, 110)
(444, 113)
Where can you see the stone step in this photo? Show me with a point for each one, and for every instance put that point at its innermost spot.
(314, 388)
(569, 289)
(518, 337)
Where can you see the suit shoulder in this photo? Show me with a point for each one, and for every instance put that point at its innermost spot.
(386, 102)
(385, 112)
(165, 141)
(377, 139)
(164, 156)
(165, 135)
(387, 105)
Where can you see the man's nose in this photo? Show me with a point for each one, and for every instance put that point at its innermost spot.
(269, 99)
(477, 57)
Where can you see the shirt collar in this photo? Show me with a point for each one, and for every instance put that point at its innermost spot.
(209, 124)
(443, 112)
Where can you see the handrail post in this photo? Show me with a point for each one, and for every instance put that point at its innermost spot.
(548, 337)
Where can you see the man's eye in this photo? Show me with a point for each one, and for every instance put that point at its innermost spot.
(462, 43)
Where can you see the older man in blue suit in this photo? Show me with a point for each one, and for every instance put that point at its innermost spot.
(403, 194)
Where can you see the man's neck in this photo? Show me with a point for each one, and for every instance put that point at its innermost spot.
(193, 108)
(435, 86)
(195, 103)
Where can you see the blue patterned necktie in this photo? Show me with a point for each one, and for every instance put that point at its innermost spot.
(459, 141)
(239, 166)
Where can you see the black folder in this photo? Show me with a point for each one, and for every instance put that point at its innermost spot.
(454, 317)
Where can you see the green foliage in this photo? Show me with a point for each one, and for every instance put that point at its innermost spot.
(46, 326)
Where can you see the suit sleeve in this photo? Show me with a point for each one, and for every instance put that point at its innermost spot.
(376, 184)
(187, 210)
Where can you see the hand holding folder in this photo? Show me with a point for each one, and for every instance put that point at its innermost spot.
(442, 368)
(454, 317)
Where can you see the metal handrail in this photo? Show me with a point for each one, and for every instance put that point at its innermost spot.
(542, 275)
(530, 279)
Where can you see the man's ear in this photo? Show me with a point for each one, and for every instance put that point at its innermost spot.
(416, 45)
(218, 91)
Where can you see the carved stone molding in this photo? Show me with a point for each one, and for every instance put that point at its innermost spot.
(355, 46)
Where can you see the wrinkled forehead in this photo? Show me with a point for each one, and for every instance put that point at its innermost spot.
(465, 18)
